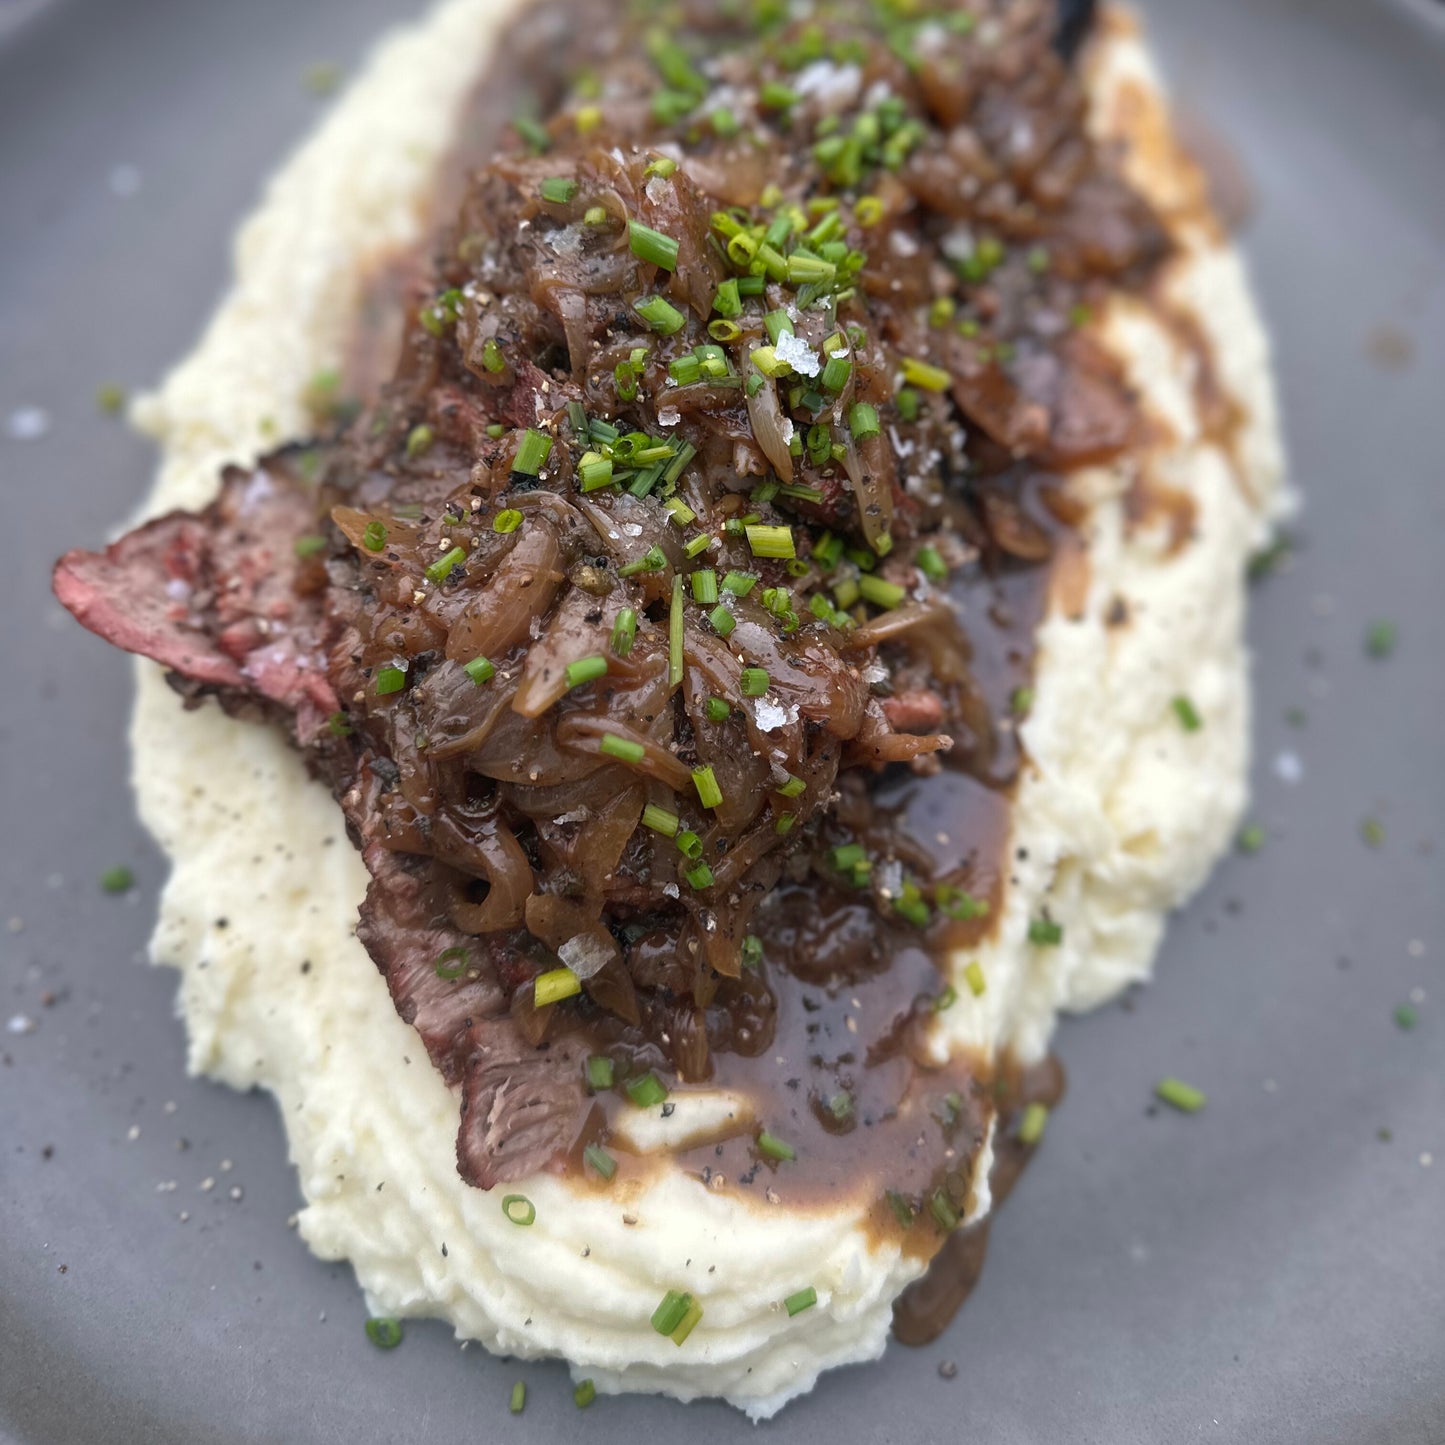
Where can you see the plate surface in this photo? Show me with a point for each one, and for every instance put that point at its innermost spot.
(1272, 1269)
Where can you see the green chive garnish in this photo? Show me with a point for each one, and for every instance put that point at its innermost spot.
(753, 681)
(555, 985)
(623, 748)
(600, 1160)
(675, 626)
(558, 190)
(1251, 838)
(940, 1206)
(1045, 933)
(480, 670)
(704, 586)
(688, 1322)
(645, 1092)
(652, 246)
(774, 1147)
(493, 359)
(803, 1299)
(700, 876)
(441, 569)
(863, 421)
(722, 620)
(594, 471)
(669, 1313)
(624, 632)
(1187, 714)
(374, 537)
(880, 593)
(451, 963)
(418, 441)
(1021, 701)
(389, 679)
(384, 1332)
(973, 977)
(585, 670)
(652, 560)
(584, 1394)
(119, 879)
(659, 820)
(519, 1397)
(507, 520)
(924, 375)
(793, 788)
(1380, 639)
(751, 951)
(311, 545)
(931, 564)
(1179, 1095)
(708, 792)
(689, 844)
(660, 315)
(1031, 1125)
(771, 541)
(519, 1209)
(533, 451)
(718, 709)
(1406, 1016)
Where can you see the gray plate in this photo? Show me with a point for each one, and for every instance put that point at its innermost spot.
(1269, 1270)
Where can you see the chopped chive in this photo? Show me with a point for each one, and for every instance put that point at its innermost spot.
(696, 546)
(722, 621)
(652, 560)
(768, 541)
(624, 632)
(718, 709)
(599, 1073)
(902, 1209)
(623, 748)
(555, 985)
(389, 679)
(754, 681)
(594, 216)
(670, 1312)
(945, 999)
(751, 950)
(507, 520)
(594, 471)
(688, 1322)
(1045, 933)
(492, 357)
(533, 134)
(1372, 830)
(689, 845)
(600, 1160)
(1179, 1095)
(685, 370)
(558, 190)
(848, 855)
(925, 375)
(480, 670)
(119, 879)
(418, 441)
(533, 451)
(496, 430)
(1251, 838)
(931, 564)
(700, 876)
(907, 403)
(739, 583)
(1381, 638)
(880, 593)
(1406, 1016)
(1187, 714)
(442, 568)
(1031, 1125)
(675, 632)
(778, 324)
(519, 1397)
(940, 1206)
(585, 670)
(660, 315)
(519, 1209)
(311, 545)
(973, 977)
(803, 1299)
(660, 820)
(785, 823)
(652, 246)
(704, 586)
(338, 726)
(863, 421)
(384, 1332)
(374, 537)
(836, 372)
(708, 792)
(1021, 701)
(451, 963)
(645, 1091)
(679, 511)
(793, 788)
(584, 1394)
(774, 1147)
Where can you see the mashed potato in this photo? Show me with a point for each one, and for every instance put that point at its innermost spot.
(1117, 820)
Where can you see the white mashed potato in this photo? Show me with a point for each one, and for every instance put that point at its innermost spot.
(1118, 818)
